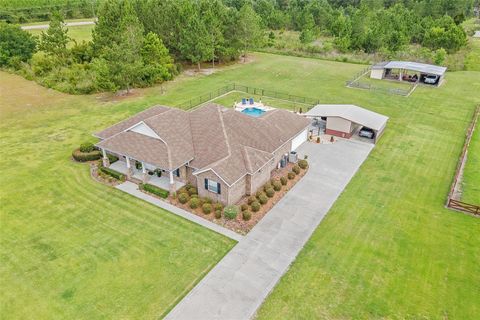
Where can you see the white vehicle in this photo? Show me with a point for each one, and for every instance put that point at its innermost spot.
(431, 79)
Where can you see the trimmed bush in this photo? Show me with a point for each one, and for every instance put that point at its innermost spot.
(270, 192)
(251, 199)
(218, 206)
(207, 208)
(207, 200)
(155, 190)
(291, 175)
(263, 199)
(115, 174)
(218, 214)
(296, 169)
(230, 212)
(86, 156)
(87, 147)
(255, 206)
(192, 191)
(283, 181)
(112, 158)
(277, 186)
(266, 186)
(303, 164)
(246, 215)
(194, 203)
(259, 193)
(183, 197)
(244, 207)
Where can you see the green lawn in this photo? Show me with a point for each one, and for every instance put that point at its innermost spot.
(471, 172)
(77, 33)
(387, 249)
(73, 248)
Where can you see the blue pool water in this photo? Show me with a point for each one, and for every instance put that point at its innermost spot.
(254, 112)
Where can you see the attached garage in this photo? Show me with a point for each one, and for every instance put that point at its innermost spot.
(345, 120)
(299, 139)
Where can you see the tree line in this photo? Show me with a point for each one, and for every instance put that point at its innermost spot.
(135, 43)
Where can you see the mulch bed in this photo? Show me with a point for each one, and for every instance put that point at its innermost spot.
(101, 177)
(238, 224)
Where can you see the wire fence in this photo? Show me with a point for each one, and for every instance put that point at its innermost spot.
(368, 86)
(212, 95)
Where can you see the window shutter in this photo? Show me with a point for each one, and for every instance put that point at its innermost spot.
(177, 172)
(206, 184)
(218, 188)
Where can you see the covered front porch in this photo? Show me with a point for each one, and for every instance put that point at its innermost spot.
(166, 181)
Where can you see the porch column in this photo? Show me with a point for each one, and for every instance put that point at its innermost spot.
(129, 168)
(401, 75)
(105, 160)
(172, 183)
(145, 175)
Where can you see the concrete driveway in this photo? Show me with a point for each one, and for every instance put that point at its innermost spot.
(241, 281)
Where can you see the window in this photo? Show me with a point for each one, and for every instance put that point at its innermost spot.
(212, 186)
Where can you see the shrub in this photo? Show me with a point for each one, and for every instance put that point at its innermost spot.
(291, 175)
(266, 186)
(283, 181)
(263, 199)
(218, 206)
(296, 169)
(207, 208)
(303, 164)
(277, 186)
(112, 158)
(244, 207)
(230, 212)
(255, 206)
(183, 197)
(155, 190)
(207, 200)
(270, 192)
(192, 190)
(87, 147)
(251, 199)
(194, 203)
(246, 215)
(115, 174)
(89, 156)
(218, 214)
(259, 194)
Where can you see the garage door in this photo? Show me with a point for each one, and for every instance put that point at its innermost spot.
(298, 140)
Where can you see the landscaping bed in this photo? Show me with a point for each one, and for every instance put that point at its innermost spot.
(245, 217)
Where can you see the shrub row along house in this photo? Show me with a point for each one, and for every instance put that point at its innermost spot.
(223, 152)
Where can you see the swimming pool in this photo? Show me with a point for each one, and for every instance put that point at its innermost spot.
(254, 112)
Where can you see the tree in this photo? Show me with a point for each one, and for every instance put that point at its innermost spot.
(440, 56)
(107, 28)
(249, 30)
(158, 64)
(16, 45)
(54, 41)
(196, 42)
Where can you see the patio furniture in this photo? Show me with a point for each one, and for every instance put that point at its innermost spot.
(251, 100)
(244, 101)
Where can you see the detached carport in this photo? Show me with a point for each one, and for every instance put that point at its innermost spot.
(343, 120)
(408, 71)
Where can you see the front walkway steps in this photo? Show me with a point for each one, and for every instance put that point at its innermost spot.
(132, 188)
(236, 287)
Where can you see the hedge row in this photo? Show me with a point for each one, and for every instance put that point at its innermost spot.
(115, 174)
(86, 156)
(162, 193)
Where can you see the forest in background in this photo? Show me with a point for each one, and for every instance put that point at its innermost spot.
(140, 43)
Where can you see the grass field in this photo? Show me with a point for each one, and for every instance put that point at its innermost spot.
(388, 248)
(77, 33)
(471, 172)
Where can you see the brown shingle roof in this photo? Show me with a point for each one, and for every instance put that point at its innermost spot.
(211, 137)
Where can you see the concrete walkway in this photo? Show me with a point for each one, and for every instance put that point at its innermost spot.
(240, 282)
(132, 188)
(68, 24)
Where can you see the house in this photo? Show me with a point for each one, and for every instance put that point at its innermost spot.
(409, 72)
(226, 154)
(345, 120)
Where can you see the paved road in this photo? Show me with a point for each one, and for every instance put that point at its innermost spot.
(132, 188)
(240, 282)
(68, 24)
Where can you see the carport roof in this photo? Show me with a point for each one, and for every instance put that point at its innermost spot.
(350, 112)
(414, 66)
